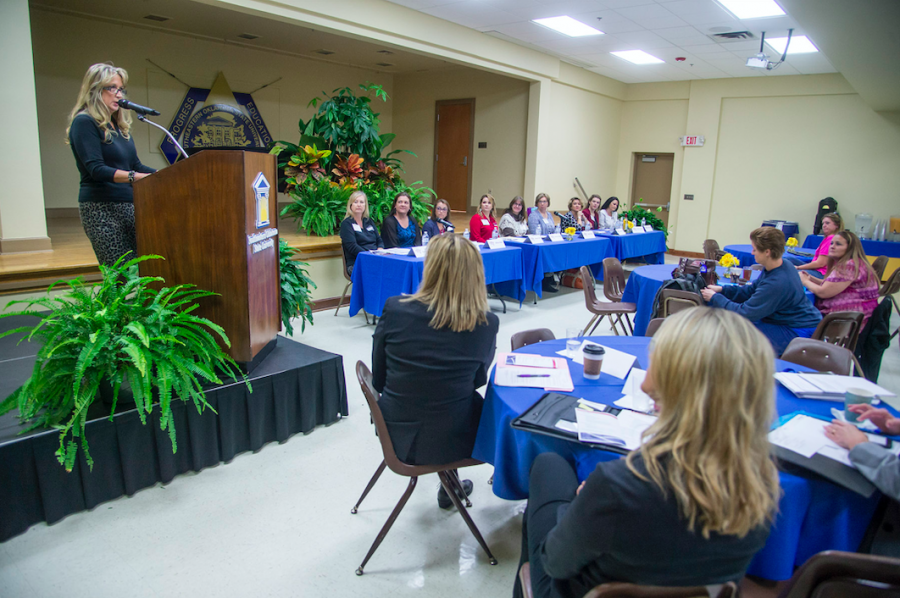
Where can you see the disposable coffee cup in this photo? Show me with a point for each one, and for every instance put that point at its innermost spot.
(854, 396)
(593, 360)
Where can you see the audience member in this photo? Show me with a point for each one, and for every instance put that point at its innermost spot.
(667, 514)
(430, 352)
(540, 221)
(592, 212)
(850, 283)
(876, 463)
(609, 215)
(514, 222)
(775, 302)
(433, 226)
(358, 232)
(399, 228)
(482, 225)
(575, 217)
(831, 224)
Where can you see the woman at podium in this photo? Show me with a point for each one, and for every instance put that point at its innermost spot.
(100, 135)
(399, 228)
(358, 232)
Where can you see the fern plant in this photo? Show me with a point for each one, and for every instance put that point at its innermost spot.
(120, 330)
(318, 206)
(639, 213)
(295, 289)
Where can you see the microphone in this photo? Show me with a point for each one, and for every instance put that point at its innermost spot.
(447, 224)
(558, 215)
(142, 110)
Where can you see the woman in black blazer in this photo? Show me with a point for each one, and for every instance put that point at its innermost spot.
(399, 228)
(358, 232)
(430, 352)
(695, 502)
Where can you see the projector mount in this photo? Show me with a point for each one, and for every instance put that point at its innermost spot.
(761, 60)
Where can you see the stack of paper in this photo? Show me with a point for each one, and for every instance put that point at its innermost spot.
(533, 371)
(623, 430)
(806, 436)
(615, 363)
(831, 388)
(635, 398)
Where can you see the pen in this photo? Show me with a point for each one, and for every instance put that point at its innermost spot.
(533, 376)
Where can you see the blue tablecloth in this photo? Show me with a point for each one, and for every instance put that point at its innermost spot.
(644, 282)
(650, 246)
(745, 254)
(814, 514)
(872, 248)
(377, 277)
(562, 255)
(790, 229)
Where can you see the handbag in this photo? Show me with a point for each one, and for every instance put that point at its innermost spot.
(571, 279)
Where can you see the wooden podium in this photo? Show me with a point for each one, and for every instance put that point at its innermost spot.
(214, 218)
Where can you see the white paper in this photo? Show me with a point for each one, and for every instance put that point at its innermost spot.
(567, 426)
(393, 251)
(536, 239)
(592, 404)
(802, 434)
(496, 244)
(641, 401)
(836, 386)
(419, 251)
(779, 226)
(526, 377)
(532, 361)
(615, 363)
(516, 239)
(620, 231)
(637, 229)
(623, 430)
(555, 237)
(587, 234)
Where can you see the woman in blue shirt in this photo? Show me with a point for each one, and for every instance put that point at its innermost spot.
(400, 229)
(540, 221)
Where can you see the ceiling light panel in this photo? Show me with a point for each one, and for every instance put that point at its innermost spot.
(637, 57)
(568, 26)
(752, 9)
(800, 44)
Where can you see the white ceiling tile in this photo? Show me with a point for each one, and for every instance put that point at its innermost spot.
(643, 40)
(571, 8)
(644, 11)
(569, 45)
(528, 31)
(713, 19)
(711, 48)
(810, 64)
(608, 22)
(662, 23)
(471, 14)
(420, 4)
(694, 7)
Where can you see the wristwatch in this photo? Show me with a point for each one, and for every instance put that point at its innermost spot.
(130, 176)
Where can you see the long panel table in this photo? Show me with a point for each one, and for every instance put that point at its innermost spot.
(872, 248)
(650, 246)
(814, 514)
(561, 255)
(377, 277)
(744, 253)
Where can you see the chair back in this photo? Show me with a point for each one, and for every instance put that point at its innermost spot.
(878, 266)
(590, 293)
(832, 574)
(653, 326)
(891, 285)
(629, 590)
(710, 249)
(613, 279)
(344, 265)
(840, 328)
(672, 301)
(530, 337)
(820, 356)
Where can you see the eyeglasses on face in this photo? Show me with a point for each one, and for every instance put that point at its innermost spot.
(440, 209)
(116, 90)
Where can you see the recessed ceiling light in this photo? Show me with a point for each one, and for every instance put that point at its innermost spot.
(637, 57)
(800, 44)
(752, 9)
(568, 26)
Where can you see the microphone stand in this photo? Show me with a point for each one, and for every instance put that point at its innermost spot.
(144, 119)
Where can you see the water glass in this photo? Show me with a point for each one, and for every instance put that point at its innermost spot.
(573, 341)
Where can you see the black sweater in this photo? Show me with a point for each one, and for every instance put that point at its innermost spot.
(98, 161)
(355, 238)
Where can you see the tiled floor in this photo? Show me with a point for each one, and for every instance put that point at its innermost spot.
(278, 523)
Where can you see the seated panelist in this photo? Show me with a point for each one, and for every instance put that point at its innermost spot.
(399, 228)
(775, 302)
(514, 222)
(575, 217)
(358, 232)
(668, 514)
(430, 351)
(831, 225)
(540, 221)
(439, 222)
(482, 225)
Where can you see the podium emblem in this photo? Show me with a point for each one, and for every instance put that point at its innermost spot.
(261, 190)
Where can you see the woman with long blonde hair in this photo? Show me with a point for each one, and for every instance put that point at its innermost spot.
(430, 352)
(358, 232)
(100, 135)
(694, 503)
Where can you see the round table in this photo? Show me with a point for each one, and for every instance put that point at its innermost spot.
(814, 514)
(744, 253)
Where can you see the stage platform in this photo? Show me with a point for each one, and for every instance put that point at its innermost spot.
(295, 389)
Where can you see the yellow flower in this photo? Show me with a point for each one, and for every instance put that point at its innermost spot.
(791, 242)
(728, 261)
(570, 230)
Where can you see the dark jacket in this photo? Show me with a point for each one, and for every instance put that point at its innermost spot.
(353, 241)
(622, 528)
(389, 232)
(431, 227)
(427, 380)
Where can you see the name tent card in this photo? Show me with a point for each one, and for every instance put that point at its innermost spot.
(648, 228)
(419, 251)
(496, 244)
(535, 239)
(555, 237)
(620, 231)
(587, 234)
(637, 229)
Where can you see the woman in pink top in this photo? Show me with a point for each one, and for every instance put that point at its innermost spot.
(850, 283)
(831, 224)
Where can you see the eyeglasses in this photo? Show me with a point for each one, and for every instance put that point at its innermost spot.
(116, 90)
(440, 209)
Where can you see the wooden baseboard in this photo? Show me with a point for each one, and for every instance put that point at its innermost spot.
(329, 303)
(693, 254)
(25, 245)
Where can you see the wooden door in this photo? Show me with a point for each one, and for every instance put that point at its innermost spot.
(453, 141)
(651, 185)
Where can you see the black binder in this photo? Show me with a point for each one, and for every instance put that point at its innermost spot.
(831, 470)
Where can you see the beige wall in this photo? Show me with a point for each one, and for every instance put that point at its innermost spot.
(64, 46)
(501, 116)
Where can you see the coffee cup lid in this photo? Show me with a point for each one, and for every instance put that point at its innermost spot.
(593, 350)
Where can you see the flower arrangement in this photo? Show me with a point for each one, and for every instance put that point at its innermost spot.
(791, 242)
(729, 261)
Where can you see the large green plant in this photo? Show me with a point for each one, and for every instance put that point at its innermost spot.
(119, 330)
(295, 289)
(318, 206)
(381, 196)
(638, 213)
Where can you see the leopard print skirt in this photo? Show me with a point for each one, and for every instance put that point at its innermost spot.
(110, 227)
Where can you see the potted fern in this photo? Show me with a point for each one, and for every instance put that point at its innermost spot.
(120, 331)
(295, 291)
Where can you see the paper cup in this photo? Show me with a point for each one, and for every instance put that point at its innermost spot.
(593, 361)
(855, 396)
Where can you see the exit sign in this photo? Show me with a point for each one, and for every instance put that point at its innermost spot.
(692, 141)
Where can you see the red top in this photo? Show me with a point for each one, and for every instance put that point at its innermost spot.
(481, 228)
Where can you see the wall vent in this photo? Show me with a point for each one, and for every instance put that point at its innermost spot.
(248, 36)
(157, 18)
(385, 52)
(324, 52)
(383, 64)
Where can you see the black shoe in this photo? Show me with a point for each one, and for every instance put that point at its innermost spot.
(444, 501)
(549, 286)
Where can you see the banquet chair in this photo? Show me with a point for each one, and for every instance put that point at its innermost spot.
(653, 326)
(878, 265)
(672, 301)
(601, 309)
(890, 288)
(821, 356)
(349, 282)
(840, 328)
(711, 250)
(447, 473)
(629, 590)
(833, 574)
(530, 337)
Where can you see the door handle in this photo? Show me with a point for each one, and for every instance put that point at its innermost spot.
(465, 161)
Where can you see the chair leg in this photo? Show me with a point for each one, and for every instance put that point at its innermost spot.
(630, 327)
(595, 326)
(371, 485)
(448, 488)
(387, 525)
(454, 477)
(585, 331)
(612, 321)
(344, 294)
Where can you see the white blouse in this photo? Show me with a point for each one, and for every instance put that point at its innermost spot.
(605, 221)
